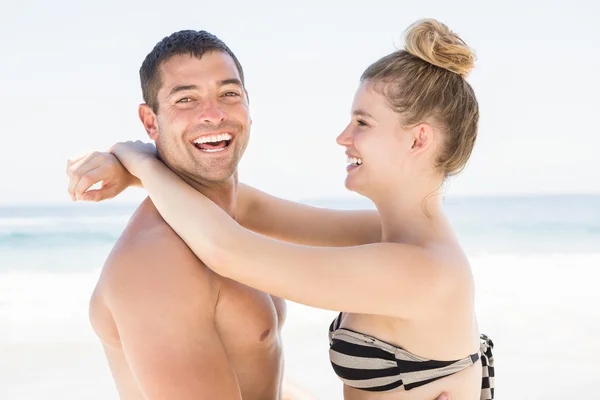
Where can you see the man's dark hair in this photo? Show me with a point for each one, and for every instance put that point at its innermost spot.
(194, 43)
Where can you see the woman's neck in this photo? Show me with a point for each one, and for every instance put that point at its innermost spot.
(415, 216)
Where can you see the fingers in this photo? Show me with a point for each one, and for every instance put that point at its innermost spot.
(87, 180)
(82, 172)
(74, 163)
(97, 195)
(75, 159)
(77, 169)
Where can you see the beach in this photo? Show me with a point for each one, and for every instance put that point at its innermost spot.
(535, 262)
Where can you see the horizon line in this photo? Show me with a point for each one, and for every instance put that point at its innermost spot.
(353, 198)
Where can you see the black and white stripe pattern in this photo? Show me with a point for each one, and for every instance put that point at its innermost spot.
(366, 363)
(487, 363)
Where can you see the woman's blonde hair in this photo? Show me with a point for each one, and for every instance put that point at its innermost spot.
(426, 79)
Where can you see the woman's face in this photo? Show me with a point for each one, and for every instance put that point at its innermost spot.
(377, 145)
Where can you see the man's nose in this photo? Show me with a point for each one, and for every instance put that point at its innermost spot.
(211, 113)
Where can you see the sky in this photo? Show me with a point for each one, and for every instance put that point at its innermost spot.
(69, 84)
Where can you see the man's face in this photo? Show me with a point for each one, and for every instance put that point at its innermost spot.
(202, 123)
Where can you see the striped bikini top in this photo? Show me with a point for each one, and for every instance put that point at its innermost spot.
(366, 363)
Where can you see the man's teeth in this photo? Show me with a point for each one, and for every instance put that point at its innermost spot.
(354, 161)
(213, 139)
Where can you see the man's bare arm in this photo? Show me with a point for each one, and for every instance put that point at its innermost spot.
(160, 299)
(303, 224)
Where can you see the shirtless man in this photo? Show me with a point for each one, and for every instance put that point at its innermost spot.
(171, 328)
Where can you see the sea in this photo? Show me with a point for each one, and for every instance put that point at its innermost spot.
(528, 252)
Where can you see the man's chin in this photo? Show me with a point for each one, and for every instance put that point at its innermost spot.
(214, 175)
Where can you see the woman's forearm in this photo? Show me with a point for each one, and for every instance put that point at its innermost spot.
(203, 225)
(246, 204)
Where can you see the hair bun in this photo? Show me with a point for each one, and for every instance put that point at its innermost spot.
(434, 42)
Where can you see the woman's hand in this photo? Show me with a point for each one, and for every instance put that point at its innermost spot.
(95, 167)
(133, 155)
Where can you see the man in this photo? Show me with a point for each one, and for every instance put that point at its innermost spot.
(170, 327)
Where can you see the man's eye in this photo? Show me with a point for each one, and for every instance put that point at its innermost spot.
(361, 122)
(231, 94)
(184, 100)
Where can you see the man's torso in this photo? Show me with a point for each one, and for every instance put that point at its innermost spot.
(247, 321)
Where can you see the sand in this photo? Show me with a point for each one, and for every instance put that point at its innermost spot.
(543, 313)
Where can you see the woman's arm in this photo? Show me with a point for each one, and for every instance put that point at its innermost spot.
(383, 278)
(304, 224)
(258, 211)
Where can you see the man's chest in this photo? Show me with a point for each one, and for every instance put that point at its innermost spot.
(246, 317)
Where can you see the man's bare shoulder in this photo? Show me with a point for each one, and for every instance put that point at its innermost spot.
(150, 255)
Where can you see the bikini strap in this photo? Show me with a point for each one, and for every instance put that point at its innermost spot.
(487, 364)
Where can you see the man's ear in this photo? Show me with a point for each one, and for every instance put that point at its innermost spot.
(248, 98)
(149, 121)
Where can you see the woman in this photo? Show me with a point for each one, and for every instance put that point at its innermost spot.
(414, 123)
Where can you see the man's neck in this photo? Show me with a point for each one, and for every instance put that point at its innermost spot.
(222, 194)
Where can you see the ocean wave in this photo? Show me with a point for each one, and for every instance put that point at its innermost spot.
(40, 232)
(36, 240)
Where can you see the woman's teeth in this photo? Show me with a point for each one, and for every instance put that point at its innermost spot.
(354, 161)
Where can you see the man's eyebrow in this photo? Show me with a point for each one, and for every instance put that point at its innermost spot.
(361, 113)
(182, 88)
(232, 81)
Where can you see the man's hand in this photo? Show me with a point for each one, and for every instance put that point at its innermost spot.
(94, 167)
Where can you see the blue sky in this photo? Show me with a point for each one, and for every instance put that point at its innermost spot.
(69, 83)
